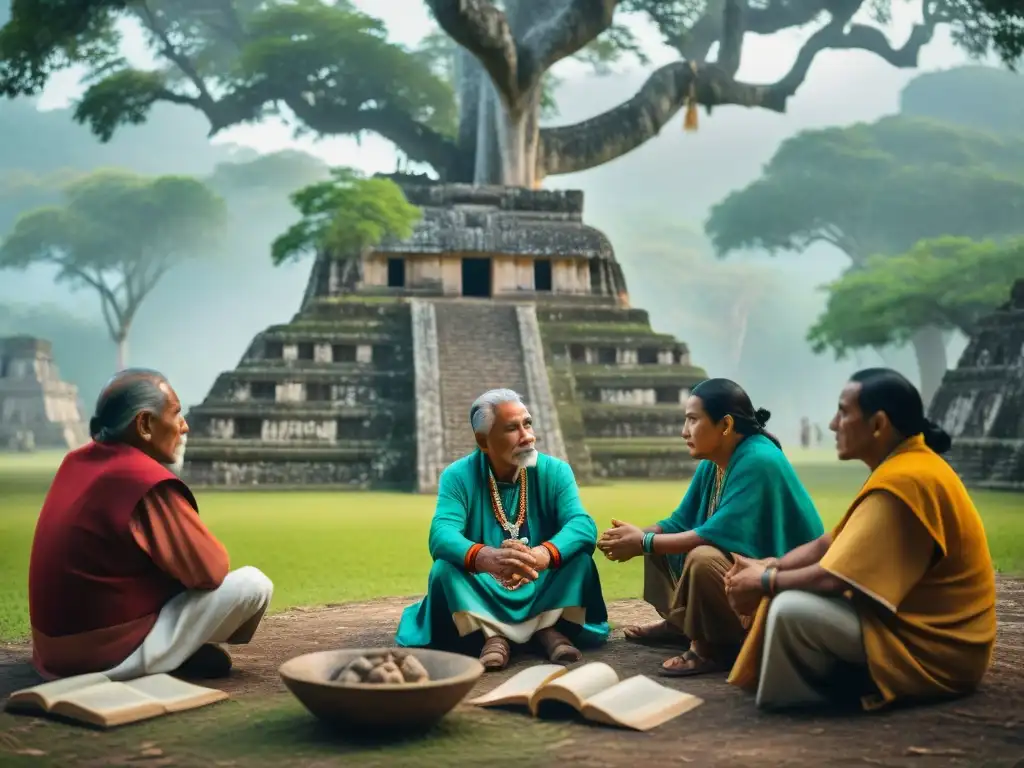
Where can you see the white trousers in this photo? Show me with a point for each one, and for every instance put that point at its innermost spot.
(228, 614)
(808, 638)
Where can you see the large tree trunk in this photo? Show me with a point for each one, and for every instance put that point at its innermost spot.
(122, 351)
(506, 138)
(930, 350)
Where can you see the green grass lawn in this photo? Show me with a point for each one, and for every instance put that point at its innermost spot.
(334, 547)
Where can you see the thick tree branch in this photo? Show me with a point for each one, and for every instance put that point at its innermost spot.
(733, 27)
(151, 21)
(419, 142)
(561, 34)
(481, 28)
(836, 35)
(573, 148)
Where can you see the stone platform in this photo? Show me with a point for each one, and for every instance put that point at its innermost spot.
(981, 402)
(370, 384)
(38, 411)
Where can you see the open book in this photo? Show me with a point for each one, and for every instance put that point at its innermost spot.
(595, 691)
(96, 700)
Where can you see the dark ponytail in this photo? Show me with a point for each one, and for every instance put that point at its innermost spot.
(885, 390)
(723, 397)
(935, 437)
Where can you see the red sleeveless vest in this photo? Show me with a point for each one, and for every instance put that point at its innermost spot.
(86, 571)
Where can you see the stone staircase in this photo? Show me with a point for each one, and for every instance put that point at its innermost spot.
(475, 346)
(478, 349)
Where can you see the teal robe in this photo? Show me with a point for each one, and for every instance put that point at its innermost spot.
(464, 517)
(764, 509)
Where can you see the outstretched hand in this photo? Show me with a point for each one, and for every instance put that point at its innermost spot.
(622, 542)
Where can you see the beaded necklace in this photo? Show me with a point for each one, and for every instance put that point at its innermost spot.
(716, 492)
(512, 529)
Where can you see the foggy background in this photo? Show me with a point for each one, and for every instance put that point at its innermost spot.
(652, 204)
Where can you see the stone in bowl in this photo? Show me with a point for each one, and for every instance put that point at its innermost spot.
(406, 706)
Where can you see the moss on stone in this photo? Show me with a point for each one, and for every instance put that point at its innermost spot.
(605, 446)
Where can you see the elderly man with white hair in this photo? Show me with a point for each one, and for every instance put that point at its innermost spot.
(512, 548)
(124, 578)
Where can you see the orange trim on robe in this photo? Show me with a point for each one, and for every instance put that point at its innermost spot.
(166, 528)
(556, 556)
(470, 562)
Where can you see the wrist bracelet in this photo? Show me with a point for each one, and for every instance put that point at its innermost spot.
(648, 543)
(768, 580)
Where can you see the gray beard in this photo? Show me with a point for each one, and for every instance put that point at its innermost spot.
(526, 459)
(179, 457)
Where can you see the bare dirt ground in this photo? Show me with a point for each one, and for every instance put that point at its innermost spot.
(986, 729)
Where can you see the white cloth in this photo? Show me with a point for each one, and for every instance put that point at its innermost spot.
(195, 617)
(807, 638)
(467, 623)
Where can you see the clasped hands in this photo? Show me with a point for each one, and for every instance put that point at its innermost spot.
(621, 542)
(513, 561)
(743, 583)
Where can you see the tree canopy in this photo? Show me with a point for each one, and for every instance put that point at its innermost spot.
(985, 98)
(947, 283)
(345, 215)
(118, 234)
(877, 189)
(472, 116)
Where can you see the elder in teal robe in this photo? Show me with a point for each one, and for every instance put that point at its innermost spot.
(762, 511)
(459, 603)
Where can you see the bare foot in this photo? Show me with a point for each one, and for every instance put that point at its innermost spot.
(659, 633)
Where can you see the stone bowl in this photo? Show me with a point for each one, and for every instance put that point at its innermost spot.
(406, 707)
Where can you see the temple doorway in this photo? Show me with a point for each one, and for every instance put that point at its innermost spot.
(476, 277)
(542, 275)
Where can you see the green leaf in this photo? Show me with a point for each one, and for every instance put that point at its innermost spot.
(122, 98)
(877, 188)
(344, 216)
(947, 283)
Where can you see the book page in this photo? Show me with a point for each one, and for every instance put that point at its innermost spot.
(638, 703)
(44, 695)
(175, 695)
(575, 687)
(107, 704)
(520, 687)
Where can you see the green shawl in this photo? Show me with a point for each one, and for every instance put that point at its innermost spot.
(764, 509)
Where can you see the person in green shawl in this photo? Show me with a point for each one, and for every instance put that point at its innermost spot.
(744, 498)
(512, 547)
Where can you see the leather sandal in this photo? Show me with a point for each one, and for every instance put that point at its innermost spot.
(694, 665)
(558, 647)
(495, 653)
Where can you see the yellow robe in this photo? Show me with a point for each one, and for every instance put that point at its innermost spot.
(928, 633)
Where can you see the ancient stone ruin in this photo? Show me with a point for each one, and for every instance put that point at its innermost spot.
(981, 401)
(370, 384)
(38, 411)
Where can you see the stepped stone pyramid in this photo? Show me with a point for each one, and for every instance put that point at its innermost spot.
(37, 409)
(981, 402)
(370, 384)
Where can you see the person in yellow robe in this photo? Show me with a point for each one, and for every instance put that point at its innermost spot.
(897, 602)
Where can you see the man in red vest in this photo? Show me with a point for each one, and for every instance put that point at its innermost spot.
(124, 577)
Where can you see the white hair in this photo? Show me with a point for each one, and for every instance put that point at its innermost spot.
(125, 395)
(481, 412)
